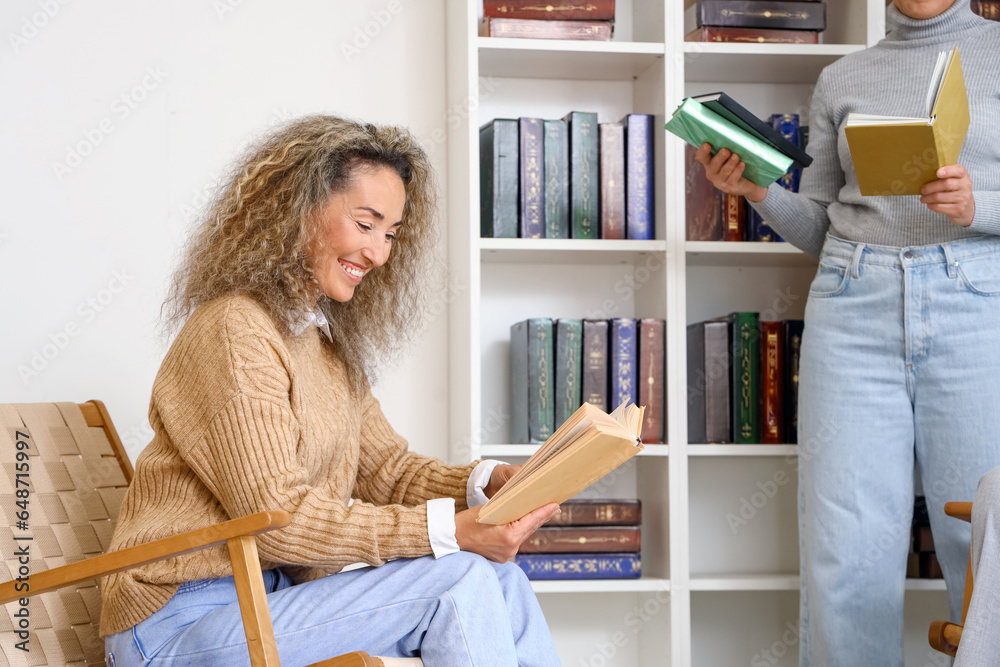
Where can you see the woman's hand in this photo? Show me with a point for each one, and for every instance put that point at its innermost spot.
(499, 477)
(951, 194)
(725, 171)
(498, 543)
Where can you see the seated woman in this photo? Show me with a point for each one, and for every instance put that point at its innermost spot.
(306, 273)
(980, 646)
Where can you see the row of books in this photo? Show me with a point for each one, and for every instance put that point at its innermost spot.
(589, 539)
(743, 377)
(567, 178)
(529, 19)
(558, 364)
(758, 21)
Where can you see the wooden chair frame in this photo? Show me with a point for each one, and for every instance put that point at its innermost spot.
(945, 636)
(238, 534)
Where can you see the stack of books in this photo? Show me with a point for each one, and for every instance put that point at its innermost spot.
(743, 376)
(592, 20)
(922, 561)
(558, 364)
(758, 21)
(988, 9)
(567, 178)
(589, 539)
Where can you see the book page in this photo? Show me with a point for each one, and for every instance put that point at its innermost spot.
(937, 78)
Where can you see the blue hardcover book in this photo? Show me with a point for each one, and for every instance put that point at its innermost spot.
(787, 125)
(624, 367)
(532, 177)
(638, 176)
(532, 409)
(757, 229)
(580, 566)
(556, 151)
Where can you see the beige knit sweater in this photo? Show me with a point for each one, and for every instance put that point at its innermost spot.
(247, 420)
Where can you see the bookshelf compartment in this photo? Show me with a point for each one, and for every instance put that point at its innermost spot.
(776, 292)
(755, 623)
(760, 63)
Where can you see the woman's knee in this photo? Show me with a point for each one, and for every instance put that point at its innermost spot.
(988, 493)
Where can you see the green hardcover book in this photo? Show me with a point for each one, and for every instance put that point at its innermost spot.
(569, 372)
(697, 124)
(584, 178)
(532, 378)
(556, 180)
(744, 397)
(498, 179)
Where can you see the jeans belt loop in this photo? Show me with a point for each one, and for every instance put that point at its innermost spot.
(950, 260)
(856, 261)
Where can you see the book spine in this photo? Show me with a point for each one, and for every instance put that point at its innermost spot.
(651, 371)
(588, 31)
(569, 358)
(623, 362)
(772, 376)
(787, 124)
(734, 217)
(591, 512)
(762, 14)
(541, 406)
(532, 178)
(519, 383)
(716, 361)
(697, 377)
(923, 540)
(583, 175)
(598, 10)
(556, 152)
(611, 156)
(988, 9)
(702, 201)
(498, 179)
(752, 35)
(639, 204)
(757, 229)
(582, 539)
(580, 566)
(793, 349)
(595, 363)
(745, 371)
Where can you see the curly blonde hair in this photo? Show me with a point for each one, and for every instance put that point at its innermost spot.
(256, 232)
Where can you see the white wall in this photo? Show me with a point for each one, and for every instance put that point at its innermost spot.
(155, 98)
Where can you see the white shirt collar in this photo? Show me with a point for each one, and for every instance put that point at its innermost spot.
(299, 324)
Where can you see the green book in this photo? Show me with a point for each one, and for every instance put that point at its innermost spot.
(697, 124)
(584, 175)
(569, 374)
(532, 377)
(556, 180)
(498, 178)
(744, 399)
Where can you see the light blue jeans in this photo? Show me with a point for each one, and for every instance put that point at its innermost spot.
(460, 609)
(900, 359)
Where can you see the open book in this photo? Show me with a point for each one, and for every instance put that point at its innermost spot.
(589, 445)
(896, 155)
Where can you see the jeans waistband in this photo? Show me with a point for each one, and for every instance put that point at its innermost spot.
(852, 252)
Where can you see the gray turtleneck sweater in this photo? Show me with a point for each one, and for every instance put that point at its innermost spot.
(891, 79)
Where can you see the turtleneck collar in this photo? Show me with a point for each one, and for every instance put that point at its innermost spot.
(938, 29)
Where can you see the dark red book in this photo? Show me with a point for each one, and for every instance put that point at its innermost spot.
(611, 152)
(733, 217)
(923, 539)
(772, 374)
(582, 539)
(593, 31)
(702, 201)
(598, 512)
(988, 9)
(597, 10)
(651, 367)
(752, 35)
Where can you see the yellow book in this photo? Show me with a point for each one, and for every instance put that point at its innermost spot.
(588, 445)
(897, 156)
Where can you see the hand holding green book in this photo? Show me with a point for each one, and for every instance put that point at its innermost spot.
(696, 124)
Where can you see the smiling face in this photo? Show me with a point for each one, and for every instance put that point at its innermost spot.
(356, 230)
(923, 9)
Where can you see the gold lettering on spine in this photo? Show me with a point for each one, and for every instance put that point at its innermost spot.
(772, 375)
(544, 388)
(533, 172)
(746, 406)
(586, 204)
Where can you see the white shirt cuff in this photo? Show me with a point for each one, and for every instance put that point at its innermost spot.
(441, 526)
(479, 480)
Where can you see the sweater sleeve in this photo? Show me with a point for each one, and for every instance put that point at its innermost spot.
(389, 473)
(987, 218)
(801, 218)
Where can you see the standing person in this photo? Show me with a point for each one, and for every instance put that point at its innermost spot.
(305, 274)
(899, 354)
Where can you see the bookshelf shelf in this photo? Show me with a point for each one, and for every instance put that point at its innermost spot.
(743, 450)
(528, 450)
(782, 582)
(721, 253)
(641, 585)
(760, 63)
(558, 59)
(566, 251)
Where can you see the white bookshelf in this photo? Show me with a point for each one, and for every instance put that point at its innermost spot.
(701, 581)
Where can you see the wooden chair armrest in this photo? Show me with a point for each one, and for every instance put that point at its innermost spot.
(126, 559)
(945, 637)
(961, 511)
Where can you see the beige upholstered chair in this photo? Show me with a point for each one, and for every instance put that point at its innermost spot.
(943, 635)
(78, 471)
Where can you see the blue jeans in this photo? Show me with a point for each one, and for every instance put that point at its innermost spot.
(457, 610)
(900, 359)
